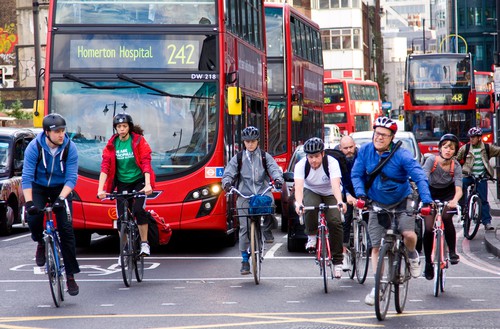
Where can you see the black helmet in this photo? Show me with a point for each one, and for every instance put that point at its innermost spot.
(53, 121)
(314, 145)
(451, 138)
(123, 118)
(250, 133)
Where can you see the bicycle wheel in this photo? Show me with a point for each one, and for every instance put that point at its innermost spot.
(62, 275)
(383, 281)
(126, 252)
(351, 255)
(361, 248)
(474, 214)
(402, 280)
(436, 262)
(138, 258)
(255, 243)
(323, 257)
(51, 268)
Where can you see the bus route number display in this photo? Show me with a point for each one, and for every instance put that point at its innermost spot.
(134, 53)
(457, 98)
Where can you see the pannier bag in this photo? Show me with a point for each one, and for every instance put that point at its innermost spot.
(159, 232)
(260, 205)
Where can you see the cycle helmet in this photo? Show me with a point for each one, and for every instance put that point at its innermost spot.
(386, 122)
(314, 145)
(475, 131)
(123, 118)
(53, 121)
(250, 133)
(449, 137)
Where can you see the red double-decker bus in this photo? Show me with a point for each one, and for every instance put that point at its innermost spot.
(352, 105)
(295, 80)
(439, 97)
(485, 103)
(178, 68)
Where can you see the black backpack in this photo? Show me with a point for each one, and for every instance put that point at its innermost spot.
(40, 150)
(338, 155)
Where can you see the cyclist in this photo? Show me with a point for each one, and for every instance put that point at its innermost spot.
(390, 189)
(476, 156)
(50, 176)
(350, 151)
(126, 166)
(445, 183)
(321, 184)
(251, 176)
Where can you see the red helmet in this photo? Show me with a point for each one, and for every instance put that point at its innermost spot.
(386, 122)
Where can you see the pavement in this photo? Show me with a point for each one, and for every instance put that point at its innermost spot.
(492, 238)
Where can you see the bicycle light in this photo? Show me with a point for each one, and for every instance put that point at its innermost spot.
(425, 211)
(360, 203)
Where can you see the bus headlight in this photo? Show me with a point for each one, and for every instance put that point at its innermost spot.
(204, 192)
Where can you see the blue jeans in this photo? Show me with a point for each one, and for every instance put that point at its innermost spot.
(482, 190)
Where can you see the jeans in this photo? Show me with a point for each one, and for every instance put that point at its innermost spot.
(41, 196)
(482, 190)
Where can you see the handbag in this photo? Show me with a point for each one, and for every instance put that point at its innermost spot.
(260, 205)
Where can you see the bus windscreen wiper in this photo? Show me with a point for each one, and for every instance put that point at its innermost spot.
(158, 92)
(93, 86)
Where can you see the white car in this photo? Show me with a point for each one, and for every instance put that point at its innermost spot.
(407, 137)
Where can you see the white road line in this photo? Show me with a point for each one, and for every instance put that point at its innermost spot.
(22, 236)
(270, 253)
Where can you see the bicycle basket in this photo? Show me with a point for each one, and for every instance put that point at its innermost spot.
(260, 204)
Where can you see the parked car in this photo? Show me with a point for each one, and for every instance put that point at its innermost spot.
(13, 142)
(332, 135)
(407, 137)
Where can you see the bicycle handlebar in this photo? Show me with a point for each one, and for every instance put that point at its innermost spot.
(321, 207)
(235, 190)
(124, 194)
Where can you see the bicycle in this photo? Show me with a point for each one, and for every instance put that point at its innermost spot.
(360, 247)
(54, 265)
(393, 265)
(472, 213)
(256, 216)
(439, 253)
(323, 252)
(130, 240)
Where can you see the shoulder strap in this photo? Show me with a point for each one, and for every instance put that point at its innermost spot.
(264, 162)
(239, 158)
(467, 148)
(307, 168)
(375, 172)
(40, 155)
(487, 147)
(452, 167)
(435, 164)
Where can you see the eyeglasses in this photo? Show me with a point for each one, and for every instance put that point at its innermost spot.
(384, 136)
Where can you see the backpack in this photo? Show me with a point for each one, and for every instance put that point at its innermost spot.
(239, 158)
(159, 232)
(452, 167)
(40, 150)
(467, 148)
(338, 155)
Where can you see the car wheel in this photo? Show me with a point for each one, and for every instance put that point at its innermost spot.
(6, 220)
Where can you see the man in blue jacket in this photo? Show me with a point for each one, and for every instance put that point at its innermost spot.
(390, 190)
(49, 176)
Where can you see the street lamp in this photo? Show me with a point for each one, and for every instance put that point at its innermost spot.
(106, 109)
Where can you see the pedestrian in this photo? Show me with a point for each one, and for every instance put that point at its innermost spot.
(250, 172)
(476, 156)
(389, 188)
(49, 176)
(317, 180)
(445, 184)
(126, 166)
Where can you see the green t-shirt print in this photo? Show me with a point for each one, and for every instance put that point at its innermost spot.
(127, 170)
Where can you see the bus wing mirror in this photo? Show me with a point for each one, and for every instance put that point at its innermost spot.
(297, 113)
(234, 103)
(38, 111)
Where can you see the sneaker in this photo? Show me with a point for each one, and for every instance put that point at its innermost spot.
(145, 249)
(429, 271)
(73, 289)
(454, 258)
(488, 227)
(245, 268)
(338, 271)
(415, 268)
(346, 266)
(271, 240)
(311, 243)
(370, 298)
(40, 254)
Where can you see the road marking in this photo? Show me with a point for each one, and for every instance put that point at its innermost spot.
(475, 262)
(16, 237)
(270, 253)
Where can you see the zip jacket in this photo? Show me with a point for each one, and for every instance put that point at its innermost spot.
(253, 178)
(50, 169)
(142, 155)
(469, 160)
(391, 185)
